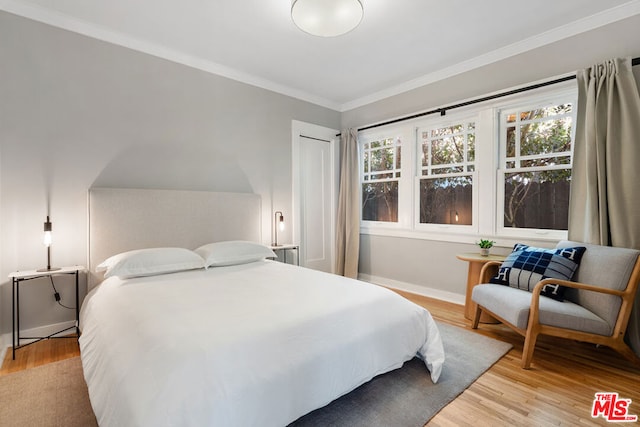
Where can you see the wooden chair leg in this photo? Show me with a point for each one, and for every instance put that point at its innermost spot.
(476, 317)
(622, 348)
(529, 345)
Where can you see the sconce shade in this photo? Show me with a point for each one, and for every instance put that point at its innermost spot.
(326, 18)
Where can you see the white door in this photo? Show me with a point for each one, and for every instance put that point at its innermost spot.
(315, 181)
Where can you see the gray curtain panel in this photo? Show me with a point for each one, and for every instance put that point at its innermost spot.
(604, 206)
(348, 222)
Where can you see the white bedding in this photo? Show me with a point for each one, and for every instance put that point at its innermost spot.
(258, 344)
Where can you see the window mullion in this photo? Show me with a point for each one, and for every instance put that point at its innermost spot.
(517, 142)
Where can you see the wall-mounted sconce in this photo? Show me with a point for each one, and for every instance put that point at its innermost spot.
(278, 224)
(47, 239)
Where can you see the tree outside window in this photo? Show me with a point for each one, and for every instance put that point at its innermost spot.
(381, 163)
(537, 167)
(447, 164)
(458, 181)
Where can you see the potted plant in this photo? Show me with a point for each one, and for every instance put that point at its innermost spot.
(485, 246)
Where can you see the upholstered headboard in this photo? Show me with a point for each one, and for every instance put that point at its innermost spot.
(126, 219)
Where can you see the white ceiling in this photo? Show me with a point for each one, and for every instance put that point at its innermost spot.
(400, 44)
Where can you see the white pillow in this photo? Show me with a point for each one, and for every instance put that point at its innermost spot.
(148, 262)
(233, 252)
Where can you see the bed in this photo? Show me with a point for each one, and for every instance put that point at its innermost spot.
(236, 340)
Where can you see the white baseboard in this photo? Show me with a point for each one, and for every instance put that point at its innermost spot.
(415, 289)
(41, 331)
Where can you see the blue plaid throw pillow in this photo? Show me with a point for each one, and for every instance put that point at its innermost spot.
(526, 266)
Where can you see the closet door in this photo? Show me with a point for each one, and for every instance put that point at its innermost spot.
(315, 194)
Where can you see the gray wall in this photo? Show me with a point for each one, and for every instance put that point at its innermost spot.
(77, 112)
(431, 263)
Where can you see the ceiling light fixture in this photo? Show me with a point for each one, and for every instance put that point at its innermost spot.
(326, 18)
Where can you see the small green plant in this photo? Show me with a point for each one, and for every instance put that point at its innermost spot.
(485, 243)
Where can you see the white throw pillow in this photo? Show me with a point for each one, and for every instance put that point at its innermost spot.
(148, 262)
(233, 252)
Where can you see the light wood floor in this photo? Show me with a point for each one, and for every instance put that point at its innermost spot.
(40, 353)
(557, 391)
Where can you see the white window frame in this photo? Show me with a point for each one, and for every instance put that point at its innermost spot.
(487, 184)
(529, 103)
(429, 125)
(404, 181)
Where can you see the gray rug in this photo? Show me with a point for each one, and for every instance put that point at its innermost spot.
(406, 397)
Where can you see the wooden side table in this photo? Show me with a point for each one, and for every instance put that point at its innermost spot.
(476, 262)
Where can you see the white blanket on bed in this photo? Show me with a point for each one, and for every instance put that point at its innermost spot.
(259, 344)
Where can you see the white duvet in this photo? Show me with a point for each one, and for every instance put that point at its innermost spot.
(259, 344)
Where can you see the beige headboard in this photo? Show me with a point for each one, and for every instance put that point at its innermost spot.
(126, 219)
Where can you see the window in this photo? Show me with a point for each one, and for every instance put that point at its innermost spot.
(535, 172)
(499, 169)
(381, 170)
(446, 173)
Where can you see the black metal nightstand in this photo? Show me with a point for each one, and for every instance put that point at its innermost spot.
(287, 247)
(21, 276)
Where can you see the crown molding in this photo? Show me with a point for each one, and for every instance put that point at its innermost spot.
(570, 29)
(88, 29)
(69, 23)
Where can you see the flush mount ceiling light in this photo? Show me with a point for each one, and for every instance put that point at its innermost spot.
(326, 18)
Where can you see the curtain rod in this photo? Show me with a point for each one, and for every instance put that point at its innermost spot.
(443, 110)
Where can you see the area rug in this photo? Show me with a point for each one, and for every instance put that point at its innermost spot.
(52, 395)
(56, 394)
(407, 397)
